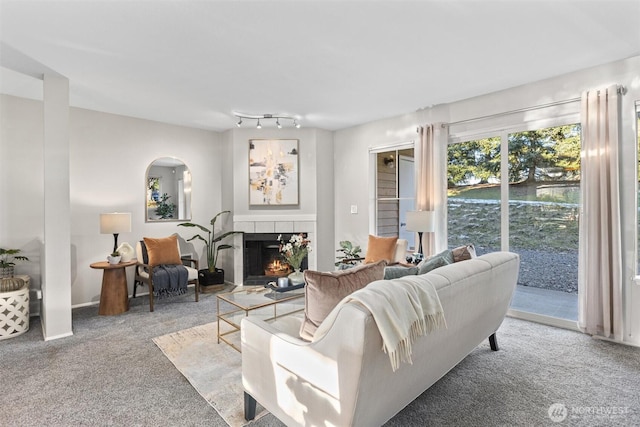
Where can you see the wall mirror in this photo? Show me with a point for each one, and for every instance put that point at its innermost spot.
(168, 190)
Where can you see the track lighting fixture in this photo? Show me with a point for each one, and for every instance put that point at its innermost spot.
(258, 117)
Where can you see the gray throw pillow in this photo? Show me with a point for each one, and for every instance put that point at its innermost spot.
(438, 260)
(399, 271)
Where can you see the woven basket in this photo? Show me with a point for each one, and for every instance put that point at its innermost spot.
(10, 284)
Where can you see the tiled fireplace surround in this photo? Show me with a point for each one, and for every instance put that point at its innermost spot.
(272, 224)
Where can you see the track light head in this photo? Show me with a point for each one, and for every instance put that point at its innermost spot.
(259, 117)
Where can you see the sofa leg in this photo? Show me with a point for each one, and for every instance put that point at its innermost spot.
(493, 342)
(249, 407)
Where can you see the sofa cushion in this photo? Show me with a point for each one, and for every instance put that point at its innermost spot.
(163, 250)
(438, 260)
(380, 248)
(462, 253)
(394, 272)
(323, 291)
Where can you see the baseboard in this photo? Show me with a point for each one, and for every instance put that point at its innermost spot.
(90, 303)
(544, 320)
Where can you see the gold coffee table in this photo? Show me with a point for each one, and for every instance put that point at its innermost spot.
(253, 300)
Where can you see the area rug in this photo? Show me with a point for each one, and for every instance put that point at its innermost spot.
(214, 370)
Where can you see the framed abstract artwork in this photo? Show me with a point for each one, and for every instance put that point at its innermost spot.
(273, 172)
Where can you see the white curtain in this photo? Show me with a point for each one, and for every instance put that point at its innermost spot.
(600, 260)
(432, 139)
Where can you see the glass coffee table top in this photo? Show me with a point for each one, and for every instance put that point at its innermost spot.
(255, 301)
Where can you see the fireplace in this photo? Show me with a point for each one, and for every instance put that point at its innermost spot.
(261, 258)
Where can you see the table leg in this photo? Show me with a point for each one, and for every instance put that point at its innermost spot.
(114, 297)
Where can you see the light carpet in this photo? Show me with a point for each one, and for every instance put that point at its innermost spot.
(214, 370)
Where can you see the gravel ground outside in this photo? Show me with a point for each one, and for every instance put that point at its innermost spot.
(544, 234)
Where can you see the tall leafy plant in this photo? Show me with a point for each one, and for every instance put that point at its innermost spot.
(8, 256)
(211, 242)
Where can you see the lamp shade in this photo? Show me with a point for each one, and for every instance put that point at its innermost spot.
(115, 223)
(420, 221)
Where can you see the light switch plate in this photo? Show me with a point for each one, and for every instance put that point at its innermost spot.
(354, 209)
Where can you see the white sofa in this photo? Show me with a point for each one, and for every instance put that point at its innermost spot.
(345, 379)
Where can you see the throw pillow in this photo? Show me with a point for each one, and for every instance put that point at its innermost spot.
(323, 291)
(396, 272)
(438, 260)
(163, 250)
(380, 248)
(462, 253)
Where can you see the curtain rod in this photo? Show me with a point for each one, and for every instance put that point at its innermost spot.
(621, 91)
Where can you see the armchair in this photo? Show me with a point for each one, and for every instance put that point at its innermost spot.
(165, 252)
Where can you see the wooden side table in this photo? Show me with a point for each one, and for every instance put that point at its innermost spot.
(114, 296)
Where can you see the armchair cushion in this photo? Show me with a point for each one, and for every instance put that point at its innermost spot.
(323, 291)
(163, 250)
(381, 248)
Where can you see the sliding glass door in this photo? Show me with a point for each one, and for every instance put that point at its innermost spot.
(528, 204)
(544, 200)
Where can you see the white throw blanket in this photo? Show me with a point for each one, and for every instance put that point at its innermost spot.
(403, 310)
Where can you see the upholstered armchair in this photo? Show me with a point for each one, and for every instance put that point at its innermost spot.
(162, 252)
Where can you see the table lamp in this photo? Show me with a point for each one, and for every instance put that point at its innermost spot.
(115, 223)
(420, 222)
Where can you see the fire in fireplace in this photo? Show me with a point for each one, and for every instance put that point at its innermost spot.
(261, 258)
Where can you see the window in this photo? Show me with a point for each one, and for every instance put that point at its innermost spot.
(394, 191)
(473, 189)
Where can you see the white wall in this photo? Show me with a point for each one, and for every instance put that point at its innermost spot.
(315, 183)
(306, 167)
(109, 155)
(352, 168)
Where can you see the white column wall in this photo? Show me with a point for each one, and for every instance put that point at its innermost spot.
(56, 259)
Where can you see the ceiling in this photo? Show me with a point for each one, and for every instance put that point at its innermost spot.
(331, 64)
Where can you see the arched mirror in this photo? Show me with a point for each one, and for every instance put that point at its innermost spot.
(168, 190)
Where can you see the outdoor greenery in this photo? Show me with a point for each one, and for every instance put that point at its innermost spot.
(543, 201)
(550, 226)
(551, 154)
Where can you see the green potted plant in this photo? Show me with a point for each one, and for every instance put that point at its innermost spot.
(7, 258)
(350, 254)
(211, 275)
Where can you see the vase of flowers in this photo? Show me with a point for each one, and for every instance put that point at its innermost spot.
(293, 252)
